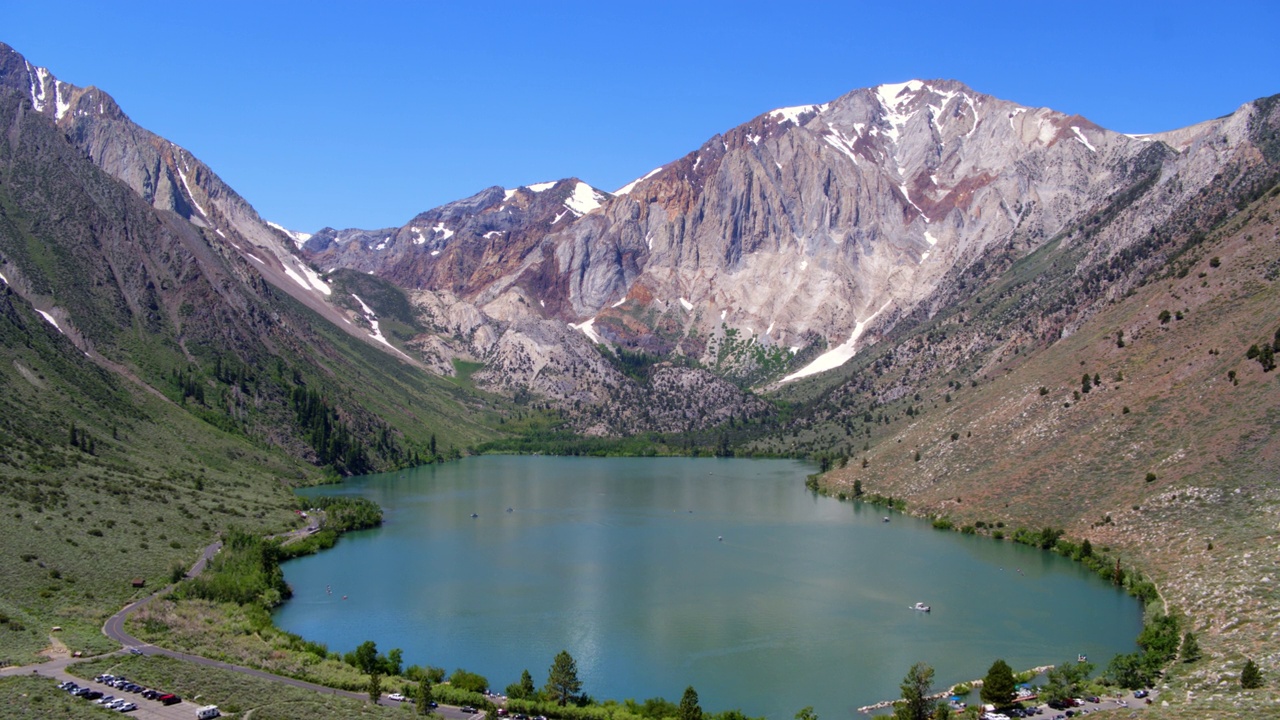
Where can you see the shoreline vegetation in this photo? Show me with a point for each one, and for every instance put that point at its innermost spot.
(240, 587)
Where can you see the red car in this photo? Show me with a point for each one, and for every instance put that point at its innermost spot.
(169, 699)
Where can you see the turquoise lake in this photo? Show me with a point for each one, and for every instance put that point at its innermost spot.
(659, 573)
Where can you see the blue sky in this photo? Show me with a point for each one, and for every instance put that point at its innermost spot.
(366, 113)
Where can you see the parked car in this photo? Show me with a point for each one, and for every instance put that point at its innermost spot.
(169, 699)
(92, 695)
(127, 707)
(1141, 694)
(151, 694)
(467, 709)
(398, 697)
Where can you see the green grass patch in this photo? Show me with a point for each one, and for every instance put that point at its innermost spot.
(24, 697)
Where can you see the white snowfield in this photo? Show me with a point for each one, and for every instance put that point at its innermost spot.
(49, 317)
(631, 185)
(587, 329)
(838, 355)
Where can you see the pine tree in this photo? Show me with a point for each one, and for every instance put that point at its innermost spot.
(526, 685)
(1250, 676)
(423, 698)
(998, 685)
(689, 707)
(563, 684)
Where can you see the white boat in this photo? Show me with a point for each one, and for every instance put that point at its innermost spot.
(921, 607)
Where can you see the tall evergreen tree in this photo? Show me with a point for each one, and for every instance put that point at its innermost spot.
(423, 698)
(689, 707)
(563, 684)
(998, 685)
(526, 685)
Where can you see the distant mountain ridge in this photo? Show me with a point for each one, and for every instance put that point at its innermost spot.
(799, 229)
(775, 250)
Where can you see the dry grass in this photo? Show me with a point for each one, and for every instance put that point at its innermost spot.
(1206, 526)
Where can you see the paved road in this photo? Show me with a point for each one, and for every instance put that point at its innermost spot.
(114, 629)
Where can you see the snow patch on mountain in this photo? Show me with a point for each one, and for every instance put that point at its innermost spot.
(376, 332)
(890, 97)
(584, 199)
(838, 355)
(440, 229)
(309, 280)
(52, 322)
(299, 238)
(37, 86)
(841, 143)
(586, 327)
(190, 195)
(631, 185)
(540, 187)
(62, 106)
(793, 114)
(1080, 136)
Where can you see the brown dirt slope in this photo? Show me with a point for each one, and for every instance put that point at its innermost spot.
(1171, 460)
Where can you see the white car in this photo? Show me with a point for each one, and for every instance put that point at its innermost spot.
(398, 697)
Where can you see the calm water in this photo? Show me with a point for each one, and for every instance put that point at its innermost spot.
(805, 600)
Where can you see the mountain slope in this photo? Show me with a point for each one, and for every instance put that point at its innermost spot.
(1110, 392)
(800, 229)
(170, 178)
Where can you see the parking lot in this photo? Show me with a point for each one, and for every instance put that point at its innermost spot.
(1086, 707)
(149, 709)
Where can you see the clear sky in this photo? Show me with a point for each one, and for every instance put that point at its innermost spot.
(363, 114)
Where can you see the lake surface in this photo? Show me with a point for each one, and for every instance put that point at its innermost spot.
(656, 574)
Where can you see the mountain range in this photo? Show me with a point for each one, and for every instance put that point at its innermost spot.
(994, 312)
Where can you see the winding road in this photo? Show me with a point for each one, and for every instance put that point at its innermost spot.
(114, 629)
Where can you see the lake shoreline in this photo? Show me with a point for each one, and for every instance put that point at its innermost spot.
(390, 476)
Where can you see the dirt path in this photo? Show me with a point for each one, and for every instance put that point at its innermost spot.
(57, 649)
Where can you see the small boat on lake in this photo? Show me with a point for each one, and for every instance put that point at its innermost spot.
(921, 607)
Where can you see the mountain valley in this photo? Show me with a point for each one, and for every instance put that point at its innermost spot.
(999, 317)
